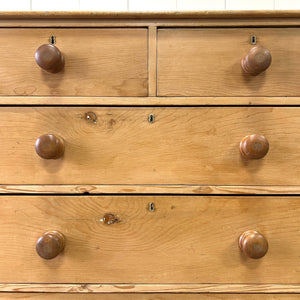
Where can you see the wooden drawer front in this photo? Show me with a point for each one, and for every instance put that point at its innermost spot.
(207, 62)
(53, 296)
(188, 239)
(98, 62)
(118, 145)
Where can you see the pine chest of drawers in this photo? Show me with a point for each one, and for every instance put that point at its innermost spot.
(150, 155)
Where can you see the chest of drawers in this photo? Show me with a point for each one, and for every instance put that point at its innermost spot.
(150, 156)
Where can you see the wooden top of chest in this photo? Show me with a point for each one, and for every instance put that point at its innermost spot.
(163, 19)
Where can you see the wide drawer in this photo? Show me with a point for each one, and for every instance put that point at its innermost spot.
(187, 239)
(207, 62)
(180, 145)
(98, 62)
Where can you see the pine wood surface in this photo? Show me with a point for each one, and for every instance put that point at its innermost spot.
(152, 60)
(241, 290)
(141, 15)
(207, 62)
(184, 145)
(143, 296)
(150, 189)
(187, 239)
(189, 244)
(162, 19)
(98, 62)
(149, 101)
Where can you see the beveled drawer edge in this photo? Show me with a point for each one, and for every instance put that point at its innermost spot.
(152, 288)
(147, 101)
(150, 189)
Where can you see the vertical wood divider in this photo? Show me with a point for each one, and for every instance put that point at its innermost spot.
(152, 63)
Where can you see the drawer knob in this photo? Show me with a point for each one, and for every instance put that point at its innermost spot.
(257, 60)
(50, 146)
(49, 58)
(253, 244)
(254, 146)
(50, 244)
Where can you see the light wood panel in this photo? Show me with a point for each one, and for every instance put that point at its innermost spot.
(207, 62)
(148, 101)
(150, 189)
(186, 239)
(146, 15)
(184, 146)
(210, 289)
(99, 62)
(143, 296)
(152, 63)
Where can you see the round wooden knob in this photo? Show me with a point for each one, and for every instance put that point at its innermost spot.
(50, 244)
(257, 60)
(49, 58)
(253, 244)
(254, 146)
(50, 146)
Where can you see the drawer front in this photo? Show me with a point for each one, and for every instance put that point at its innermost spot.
(187, 239)
(207, 62)
(98, 62)
(53, 296)
(118, 145)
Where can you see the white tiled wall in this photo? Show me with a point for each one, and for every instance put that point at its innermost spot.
(145, 5)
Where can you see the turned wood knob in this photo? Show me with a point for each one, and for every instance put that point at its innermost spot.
(49, 58)
(257, 60)
(254, 146)
(253, 244)
(50, 244)
(50, 146)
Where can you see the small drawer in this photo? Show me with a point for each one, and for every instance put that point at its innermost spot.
(207, 62)
(150, 145)
(117, 239)
(85, 62)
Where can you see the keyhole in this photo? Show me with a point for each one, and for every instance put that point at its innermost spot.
(151, 207)
(151, 118)
(253, 40)
(52, 39)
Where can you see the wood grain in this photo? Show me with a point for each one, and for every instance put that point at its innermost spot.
(177, 243)
(161, 290)
(207, 62)
(144, 19)
(98, 62)
(148, 101)
(184, 146)
(143, 296)
(146, 15)
(152, 63)
(143, 22)
(150, 189)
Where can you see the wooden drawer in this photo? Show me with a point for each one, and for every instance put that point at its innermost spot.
(98, 62)
(54, 296)
(207, 62)
(186, 239)
(118, 145)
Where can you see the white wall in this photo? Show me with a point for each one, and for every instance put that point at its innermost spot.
(145, 5)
